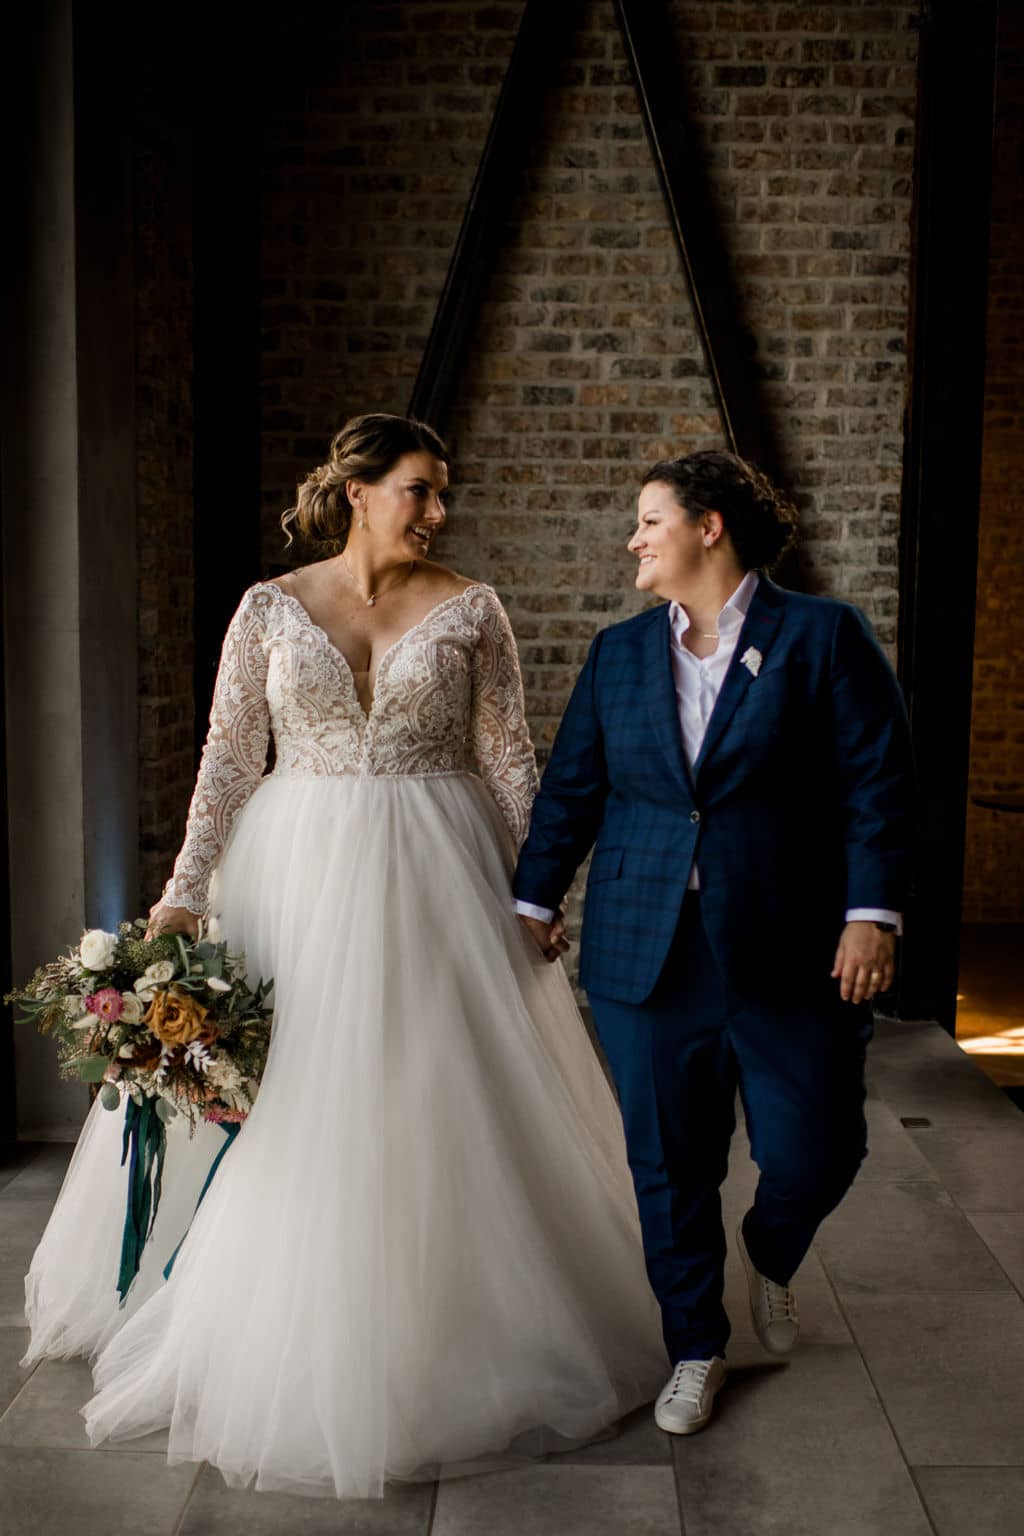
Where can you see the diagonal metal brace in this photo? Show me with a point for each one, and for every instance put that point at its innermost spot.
(539, 45)
(728, 346)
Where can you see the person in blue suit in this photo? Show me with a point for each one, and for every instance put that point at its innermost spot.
(738, 759)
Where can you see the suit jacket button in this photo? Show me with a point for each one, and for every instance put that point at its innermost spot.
(695, 816)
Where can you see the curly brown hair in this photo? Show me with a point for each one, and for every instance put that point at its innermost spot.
(759, 519)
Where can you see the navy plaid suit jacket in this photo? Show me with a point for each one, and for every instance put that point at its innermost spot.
(797, 809)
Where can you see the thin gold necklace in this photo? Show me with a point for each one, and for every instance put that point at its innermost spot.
(371, 601)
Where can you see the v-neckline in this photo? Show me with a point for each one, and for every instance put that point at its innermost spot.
(339, 654)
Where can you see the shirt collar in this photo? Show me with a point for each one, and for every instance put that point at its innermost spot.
(733, 612)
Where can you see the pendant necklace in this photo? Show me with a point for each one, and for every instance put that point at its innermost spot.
(371, 601)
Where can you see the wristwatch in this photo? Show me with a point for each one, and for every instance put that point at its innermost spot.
(886, 927)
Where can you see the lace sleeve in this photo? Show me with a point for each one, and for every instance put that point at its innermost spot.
(234, 756)
(500, 739)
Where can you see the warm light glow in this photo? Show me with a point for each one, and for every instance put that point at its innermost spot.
(1010, 1042)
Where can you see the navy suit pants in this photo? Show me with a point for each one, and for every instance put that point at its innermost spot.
(678, 1060)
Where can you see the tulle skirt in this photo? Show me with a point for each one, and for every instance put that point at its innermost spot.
(71, 1300)
(422, 1253)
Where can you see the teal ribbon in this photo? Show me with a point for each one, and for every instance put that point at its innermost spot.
(231, 1129)
(142, 1147)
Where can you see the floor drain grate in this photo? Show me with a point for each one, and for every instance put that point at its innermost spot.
(915, 1122)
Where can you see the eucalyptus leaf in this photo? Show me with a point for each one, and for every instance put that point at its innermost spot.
(109, 1096)
(92, 1068)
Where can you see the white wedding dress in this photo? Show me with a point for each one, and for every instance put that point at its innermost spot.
(421, 1254)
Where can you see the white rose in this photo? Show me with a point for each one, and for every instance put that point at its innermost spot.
(217, 984)
(160, 972)
(223, 1073)
(96, 950)
(131, 1008)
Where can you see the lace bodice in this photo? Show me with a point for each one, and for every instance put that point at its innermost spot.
(448, 699)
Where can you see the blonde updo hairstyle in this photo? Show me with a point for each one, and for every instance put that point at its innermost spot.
(366, 448)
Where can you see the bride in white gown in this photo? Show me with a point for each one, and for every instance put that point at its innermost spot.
(422, 1252)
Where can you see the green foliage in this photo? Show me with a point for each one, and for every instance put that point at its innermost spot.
(240, 1013)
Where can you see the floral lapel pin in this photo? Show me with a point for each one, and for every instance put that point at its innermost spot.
(751, 659)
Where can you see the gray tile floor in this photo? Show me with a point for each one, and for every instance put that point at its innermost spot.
(901, 1413)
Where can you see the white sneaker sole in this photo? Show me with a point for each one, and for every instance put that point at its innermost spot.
(681, 1429)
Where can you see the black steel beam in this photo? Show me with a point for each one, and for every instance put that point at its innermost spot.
(941, 475)
(727, 343)
(539, 45)
(224, 175)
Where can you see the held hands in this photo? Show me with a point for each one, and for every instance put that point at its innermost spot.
(164, 919)
(549, 938)
(865, 962)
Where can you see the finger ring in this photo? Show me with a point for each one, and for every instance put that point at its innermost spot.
(876, 975)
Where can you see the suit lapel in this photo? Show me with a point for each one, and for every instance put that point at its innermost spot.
(660, 694)
(760, 627)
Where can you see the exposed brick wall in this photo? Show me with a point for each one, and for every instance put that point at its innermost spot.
(369, 164)
(585, 365)
(163, 405)
(994, 871)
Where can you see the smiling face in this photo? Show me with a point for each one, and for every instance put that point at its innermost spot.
(671, 548)
(404, 510)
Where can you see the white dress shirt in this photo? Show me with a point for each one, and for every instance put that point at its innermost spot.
(698, 682)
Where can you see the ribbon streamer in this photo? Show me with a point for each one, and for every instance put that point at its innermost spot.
(142, 1147)
(231, 1129)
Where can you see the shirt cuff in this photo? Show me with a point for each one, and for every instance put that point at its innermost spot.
(542, 914)
(875, 915)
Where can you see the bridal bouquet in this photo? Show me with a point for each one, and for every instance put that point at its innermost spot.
(171, 1019)
(170, 1025)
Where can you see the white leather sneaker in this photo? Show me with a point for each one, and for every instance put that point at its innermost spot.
(689, 1395)
(772, 1306)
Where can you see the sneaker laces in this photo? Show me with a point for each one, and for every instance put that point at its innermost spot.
(689, 1379)
(780, 1302)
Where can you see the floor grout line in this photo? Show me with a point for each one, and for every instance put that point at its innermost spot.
(432, 1511)
(176, 1531)
(966, 1214)
(881, 1402)
(677, 1482)
(20, 1390)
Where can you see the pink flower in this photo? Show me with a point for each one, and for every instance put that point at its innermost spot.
(107, 1003)
(216, 1115)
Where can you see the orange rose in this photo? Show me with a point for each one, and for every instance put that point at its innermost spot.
(176, 1018)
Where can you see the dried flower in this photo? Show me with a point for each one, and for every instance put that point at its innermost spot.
(107, 1004)
(176, 1018)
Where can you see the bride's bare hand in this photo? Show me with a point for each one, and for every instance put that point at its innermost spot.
(164, 919)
